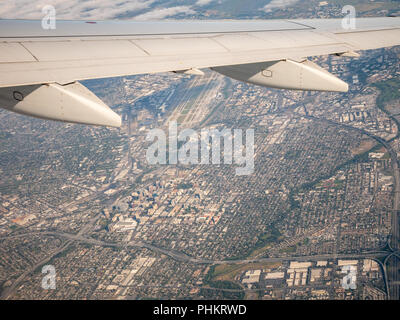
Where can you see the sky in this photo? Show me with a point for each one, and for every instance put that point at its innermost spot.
(278, 4)
(110, 9)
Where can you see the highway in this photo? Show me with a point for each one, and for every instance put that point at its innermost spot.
(178, 256)
(182, 257)
(11, 290)
(392, 261)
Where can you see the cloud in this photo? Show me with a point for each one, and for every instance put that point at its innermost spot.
(95, 9)
(278, 4)
(72, 9)
(200, 3)
(158, 14)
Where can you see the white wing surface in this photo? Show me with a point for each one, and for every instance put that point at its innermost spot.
(270, 53)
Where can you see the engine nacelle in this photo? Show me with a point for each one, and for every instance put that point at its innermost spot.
(285, 74)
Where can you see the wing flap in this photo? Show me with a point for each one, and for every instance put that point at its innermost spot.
(296, 38)
(180, 46)
(14, 52)
(371, 39)
(82, 50)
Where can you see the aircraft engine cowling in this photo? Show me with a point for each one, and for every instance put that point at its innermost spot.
(285, 74)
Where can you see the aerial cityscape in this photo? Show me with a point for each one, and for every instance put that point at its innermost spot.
(321, 204)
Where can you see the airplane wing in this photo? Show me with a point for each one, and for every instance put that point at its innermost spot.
(40, 68)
